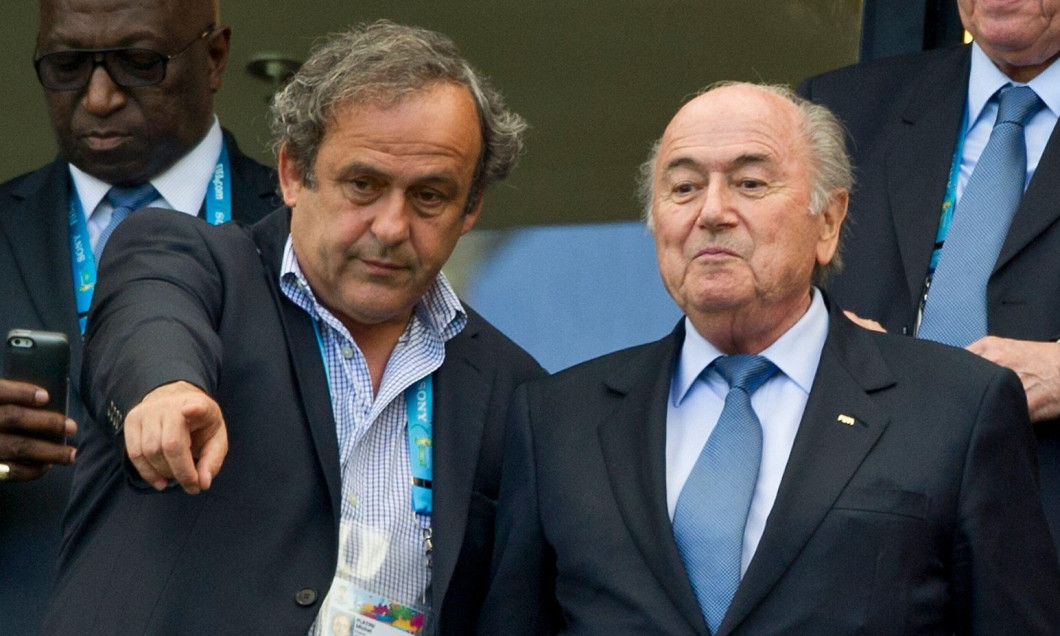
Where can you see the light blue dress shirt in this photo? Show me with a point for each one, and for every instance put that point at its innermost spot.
(695, 404)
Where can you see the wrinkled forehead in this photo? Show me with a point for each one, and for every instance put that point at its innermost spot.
(732, 123)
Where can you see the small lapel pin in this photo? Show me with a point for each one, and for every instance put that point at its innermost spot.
(845, 419)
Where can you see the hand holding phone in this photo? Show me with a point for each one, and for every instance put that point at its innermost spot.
(33, 427)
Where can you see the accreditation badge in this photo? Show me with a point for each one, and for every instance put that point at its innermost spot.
(355, 612)
(359, 602)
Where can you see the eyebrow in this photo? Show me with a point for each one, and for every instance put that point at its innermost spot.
(358, 168)
(738, 162)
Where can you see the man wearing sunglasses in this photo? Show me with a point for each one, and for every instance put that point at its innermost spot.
(129, 89)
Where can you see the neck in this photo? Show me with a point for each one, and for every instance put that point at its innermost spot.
(377, 342)
(750, 329)
(1024, 74)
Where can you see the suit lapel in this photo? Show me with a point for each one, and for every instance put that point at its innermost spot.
(919, 160)
(270, 235)
(824, 457)
(1039, 207)
(42, 252)
(462, 396)
(633, 441)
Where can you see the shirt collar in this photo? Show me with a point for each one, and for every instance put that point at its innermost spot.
(796, 353)
(985, 79)
(439, 309)
(182, 187)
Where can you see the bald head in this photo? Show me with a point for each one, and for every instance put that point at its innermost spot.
(126, 135)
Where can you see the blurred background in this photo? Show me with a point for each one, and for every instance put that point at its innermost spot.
(558, 260)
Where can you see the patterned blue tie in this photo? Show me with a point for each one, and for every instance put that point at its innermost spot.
(125, 201)
(955, 312)
(712, 508)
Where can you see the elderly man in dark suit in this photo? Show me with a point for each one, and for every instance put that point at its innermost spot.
(919, 128)
(136, 118)
(769, 467)
(363, 403)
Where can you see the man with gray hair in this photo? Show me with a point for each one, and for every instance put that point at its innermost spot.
(769, 467)
(362, 402)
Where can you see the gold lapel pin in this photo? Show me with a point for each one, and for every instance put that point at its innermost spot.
(845, 419)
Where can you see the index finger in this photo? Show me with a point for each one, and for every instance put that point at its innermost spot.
(176, 447)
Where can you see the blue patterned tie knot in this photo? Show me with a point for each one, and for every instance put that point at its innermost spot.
(745, 372)
(125, 201)
(711, 511)
(1016, 105)
(955, 311)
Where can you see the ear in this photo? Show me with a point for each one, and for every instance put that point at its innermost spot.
(217, 54)
(471, 217)
(831, 222)
(290, 178)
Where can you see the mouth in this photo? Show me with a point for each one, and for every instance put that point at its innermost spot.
(103, 141)
(715, 252)
(382, 267)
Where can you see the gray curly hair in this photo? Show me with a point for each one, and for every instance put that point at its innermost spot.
(831, 170)
(381, 63)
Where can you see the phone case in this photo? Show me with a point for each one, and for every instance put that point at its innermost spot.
(41, 358)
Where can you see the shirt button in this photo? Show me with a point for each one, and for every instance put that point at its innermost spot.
(347, 351)
(305, 596)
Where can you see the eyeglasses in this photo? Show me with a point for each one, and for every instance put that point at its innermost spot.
(128, 67)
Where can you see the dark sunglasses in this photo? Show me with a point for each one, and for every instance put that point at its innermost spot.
(128, 67)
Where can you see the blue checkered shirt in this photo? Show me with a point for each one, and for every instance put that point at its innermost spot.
(381, 540)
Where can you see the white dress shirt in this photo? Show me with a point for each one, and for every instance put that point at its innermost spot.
(182, 187)
(696, 402)
(984, 80)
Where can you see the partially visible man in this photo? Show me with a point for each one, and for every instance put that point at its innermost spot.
(129, 88)
(918, 126)
(363, 404)
(872, 483)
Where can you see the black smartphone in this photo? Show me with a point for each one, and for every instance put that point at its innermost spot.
(41, 358)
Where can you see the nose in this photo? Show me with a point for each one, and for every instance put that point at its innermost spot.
(716, 209)
(102, 96)
(391, 222)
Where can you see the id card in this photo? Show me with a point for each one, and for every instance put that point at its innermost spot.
(355, 612)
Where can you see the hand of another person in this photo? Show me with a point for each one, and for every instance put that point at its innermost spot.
(177, 432)
(867, 323)
(1036, 363)
(30, 437)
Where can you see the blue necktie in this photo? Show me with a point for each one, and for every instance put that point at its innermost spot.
(955, 311)
(712, 508)
(125, 201)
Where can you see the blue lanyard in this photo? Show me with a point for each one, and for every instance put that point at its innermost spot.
(949, 203)
(419, 402)
(83, 263)
(419, 406)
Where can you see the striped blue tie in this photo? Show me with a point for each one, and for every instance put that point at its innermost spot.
(125, 201)
(955, 311)
(712, 508)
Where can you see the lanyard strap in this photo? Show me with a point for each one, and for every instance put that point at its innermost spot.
(419, 402)
(83, 263)
(949, 203)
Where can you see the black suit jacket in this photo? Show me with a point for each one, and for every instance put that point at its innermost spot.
(256, 553)
(920, 518)
(36, 288)
(903, 116)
